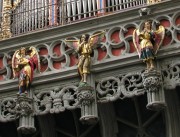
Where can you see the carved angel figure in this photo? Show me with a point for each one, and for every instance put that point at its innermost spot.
(24, 62)
(147, 43)
(84, 47)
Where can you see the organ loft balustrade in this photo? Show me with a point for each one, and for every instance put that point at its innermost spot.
(25, 16)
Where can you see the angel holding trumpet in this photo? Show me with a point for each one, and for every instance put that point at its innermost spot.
(84, 47)
(24, 62)
(147, 43)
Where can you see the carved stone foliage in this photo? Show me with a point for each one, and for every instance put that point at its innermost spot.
(123, 86)
(56, 55)
(85, 95)
(87, 98)
(133, 84)
(7, 109)
(152, 81)
(56, 100)
(25, 112)
(171, 74)
(24, 106)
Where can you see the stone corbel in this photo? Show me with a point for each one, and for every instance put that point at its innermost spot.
(87, 99)
(152, 81)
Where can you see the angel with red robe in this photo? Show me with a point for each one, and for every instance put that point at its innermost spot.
(24, 62)
(84, 47)
(147, 43)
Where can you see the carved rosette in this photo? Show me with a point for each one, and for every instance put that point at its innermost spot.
(153, 85)
(25, 112)
(87, 100)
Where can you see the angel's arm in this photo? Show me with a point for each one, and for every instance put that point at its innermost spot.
(96, 34)
(79, 46)
(23, 61)
(71, 40)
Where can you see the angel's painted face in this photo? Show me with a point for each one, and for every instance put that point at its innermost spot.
(147, 25)
(23, 51)
(83, 37)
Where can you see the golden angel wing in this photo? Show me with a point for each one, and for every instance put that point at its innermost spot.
(159, 37)
(35, 57)
(96, 38)
(136, 34)
(15, 67)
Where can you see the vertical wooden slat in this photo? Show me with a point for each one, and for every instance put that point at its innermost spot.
(68, 4)
(136, 2)
(60, 12)
(73, 3)
(39, 14)
(79, 2)
(94, 7)
(124, 4)
(18, 21)
(24, 15)
(112, 3)
(120, 4)
(116, 3)
(12, 24)
(131, 3)
(33, 14)
(46, 12)
(29, 14)
(55, 12)
(64, 13)
(108, 5)
(42, 14)
(89, 7)
(127, 3)
(21, 16)
(84, 7)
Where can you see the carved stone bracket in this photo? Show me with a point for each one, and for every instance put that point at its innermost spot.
(153, 86)
(25, 111)
(87, 98)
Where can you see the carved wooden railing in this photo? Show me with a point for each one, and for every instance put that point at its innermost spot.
(33, 15)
